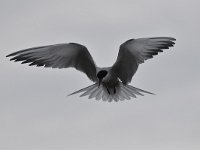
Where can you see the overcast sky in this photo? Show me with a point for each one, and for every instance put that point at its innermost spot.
(35, 112)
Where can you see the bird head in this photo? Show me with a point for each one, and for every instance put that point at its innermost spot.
(100, 75)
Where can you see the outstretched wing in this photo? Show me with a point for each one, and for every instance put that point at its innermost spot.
(59, 56)
(135, 51)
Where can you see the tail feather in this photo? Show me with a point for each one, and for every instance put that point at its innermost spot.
(144, 91)
(99, 94)
(123, 92)
(89, 91)
(134, 90)
(130, 92)
(120, 93)
(83, 89)
(139, 90)
(94, 93)
(105, 96)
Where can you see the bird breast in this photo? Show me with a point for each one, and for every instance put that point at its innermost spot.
(110, 80)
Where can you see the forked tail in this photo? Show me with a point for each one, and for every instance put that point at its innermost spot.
(122, 92)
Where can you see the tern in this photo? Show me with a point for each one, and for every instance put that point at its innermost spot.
(111, 83)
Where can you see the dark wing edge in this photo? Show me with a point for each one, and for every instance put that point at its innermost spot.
(135, 51)
(58, 56)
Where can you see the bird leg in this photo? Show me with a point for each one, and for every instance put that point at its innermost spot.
(114, 89)
(108, 90)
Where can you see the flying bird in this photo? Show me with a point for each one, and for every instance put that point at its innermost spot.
(111, 83)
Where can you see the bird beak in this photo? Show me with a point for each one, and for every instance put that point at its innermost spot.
(100, 80)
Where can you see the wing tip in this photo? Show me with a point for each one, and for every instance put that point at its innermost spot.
(9, 55)
(171, 38)
(167, 37)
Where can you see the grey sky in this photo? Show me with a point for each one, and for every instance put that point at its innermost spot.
(35, 112)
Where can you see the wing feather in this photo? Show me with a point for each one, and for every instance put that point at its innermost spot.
(135, 51)
(58, 56)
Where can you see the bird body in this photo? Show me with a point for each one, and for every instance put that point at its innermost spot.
(111, 83)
